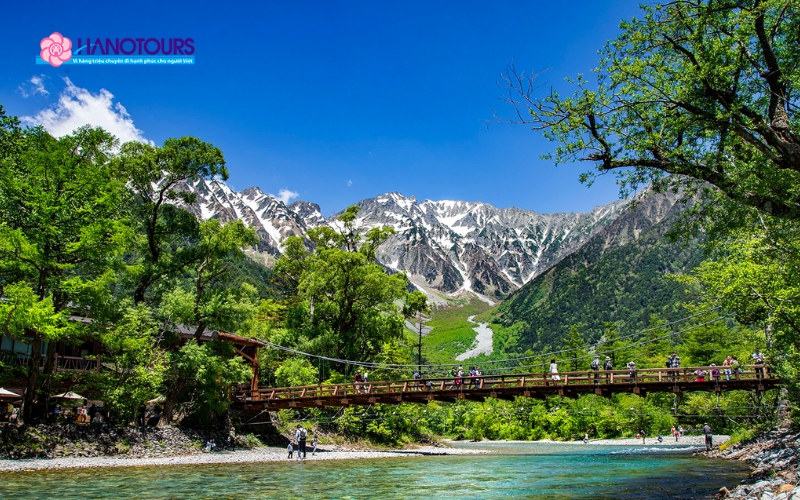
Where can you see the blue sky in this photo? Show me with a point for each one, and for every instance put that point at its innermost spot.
(334, 101)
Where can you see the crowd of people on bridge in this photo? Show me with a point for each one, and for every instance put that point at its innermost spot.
(730, 369)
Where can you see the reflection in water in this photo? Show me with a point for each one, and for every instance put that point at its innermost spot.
(513, 470)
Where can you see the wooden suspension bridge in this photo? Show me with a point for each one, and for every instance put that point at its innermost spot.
(508, 387)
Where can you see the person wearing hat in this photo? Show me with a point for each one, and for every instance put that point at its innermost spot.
(708, 434)
(596, 369)
(607, 366)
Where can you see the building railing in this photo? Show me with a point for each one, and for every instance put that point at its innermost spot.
(61, 363)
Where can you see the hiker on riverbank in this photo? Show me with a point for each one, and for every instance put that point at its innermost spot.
(675, 433)
(232, 438)
(709, 437)
(301, 435)
(314, 443)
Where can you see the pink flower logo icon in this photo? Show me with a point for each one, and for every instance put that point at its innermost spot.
(56, 49)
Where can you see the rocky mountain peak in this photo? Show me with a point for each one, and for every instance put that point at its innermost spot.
(445, 246)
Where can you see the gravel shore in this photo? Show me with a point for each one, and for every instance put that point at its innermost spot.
(262, 454)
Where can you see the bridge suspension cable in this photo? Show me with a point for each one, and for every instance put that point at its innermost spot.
(395, 366)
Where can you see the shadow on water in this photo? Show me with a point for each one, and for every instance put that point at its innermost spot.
(511, 471)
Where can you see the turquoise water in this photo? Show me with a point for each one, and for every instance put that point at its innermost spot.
(513, 470)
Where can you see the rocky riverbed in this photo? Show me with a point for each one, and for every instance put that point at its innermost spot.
(774, 459)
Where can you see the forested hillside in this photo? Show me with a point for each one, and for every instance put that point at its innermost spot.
(621, 275)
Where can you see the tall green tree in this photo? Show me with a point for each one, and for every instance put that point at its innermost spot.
(577, 355)
(346, 300)
(64, 227)
(157, 177)
(692, 93)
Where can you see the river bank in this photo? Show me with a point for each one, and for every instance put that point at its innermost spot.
(253, 455)
(773, 458)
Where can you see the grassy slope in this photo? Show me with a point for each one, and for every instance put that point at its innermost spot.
(452, 334)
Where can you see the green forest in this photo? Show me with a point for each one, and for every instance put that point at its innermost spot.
(696, 99)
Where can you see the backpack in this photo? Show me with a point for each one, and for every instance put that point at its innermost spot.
(303, 433)
(669, 363)
(595, 365)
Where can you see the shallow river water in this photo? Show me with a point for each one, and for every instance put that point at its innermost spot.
(512, 470)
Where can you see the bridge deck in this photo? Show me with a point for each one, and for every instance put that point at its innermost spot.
(508, 387)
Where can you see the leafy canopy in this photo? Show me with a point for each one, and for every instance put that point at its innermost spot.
(705, 90)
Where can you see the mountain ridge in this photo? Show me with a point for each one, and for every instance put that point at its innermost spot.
(447, 247)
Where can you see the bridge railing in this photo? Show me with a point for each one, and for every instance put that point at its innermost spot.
(493, 382)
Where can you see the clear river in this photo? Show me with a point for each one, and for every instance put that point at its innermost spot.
(512, 470)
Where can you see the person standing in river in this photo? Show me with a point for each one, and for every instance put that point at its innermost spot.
(709, 437)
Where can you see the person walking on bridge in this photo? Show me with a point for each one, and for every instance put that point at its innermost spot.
(357, 381)
(673, 363)
(596, 369)
(554, 370)
(632, 371)
(758, 360)
(608, 366)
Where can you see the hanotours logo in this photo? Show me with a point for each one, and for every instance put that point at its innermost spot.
(139, 46)
(58, 49)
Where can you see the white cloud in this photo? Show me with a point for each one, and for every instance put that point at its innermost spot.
(349, 182)
(77, 107)
(286, 195)
(33, 86)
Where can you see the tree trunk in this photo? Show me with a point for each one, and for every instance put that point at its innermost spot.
(48, 371)
(170, 401)
(29, 399)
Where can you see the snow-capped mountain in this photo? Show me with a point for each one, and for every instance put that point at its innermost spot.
(454, 245)
(271, 218)
(445, 245)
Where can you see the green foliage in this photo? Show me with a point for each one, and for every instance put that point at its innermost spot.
(755, 276)
(155, 175)
(577, 355)
(704, 90)
(452, 333)
(136, 365)
(597, 285)
(206, 371)
(345, 303)
(296, 371)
